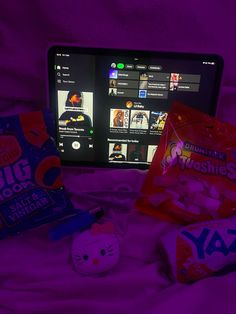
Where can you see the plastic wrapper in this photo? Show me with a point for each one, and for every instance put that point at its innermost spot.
(201, 250)
(31, 188)
(192, 177)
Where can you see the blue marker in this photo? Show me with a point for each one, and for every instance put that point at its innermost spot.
(78, 222)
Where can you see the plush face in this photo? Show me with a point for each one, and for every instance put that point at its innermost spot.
(95, 252)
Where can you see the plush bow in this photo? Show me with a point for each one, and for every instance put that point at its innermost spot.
(107, 227)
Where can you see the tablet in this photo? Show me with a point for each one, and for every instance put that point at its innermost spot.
(110, 105)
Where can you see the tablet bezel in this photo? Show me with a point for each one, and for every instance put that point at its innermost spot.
(130, 53)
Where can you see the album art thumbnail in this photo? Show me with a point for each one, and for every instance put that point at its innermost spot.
(139, 119)
(158, 120)
(137, 152)
(117, 152)
(112, 92)
(151, 152)
(75, 108)
(174, 77)
(119, 118)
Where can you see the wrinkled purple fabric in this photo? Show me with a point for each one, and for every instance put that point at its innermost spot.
(28, 29)
(35, 275)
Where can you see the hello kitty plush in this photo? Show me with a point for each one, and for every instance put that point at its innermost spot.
(96, 250)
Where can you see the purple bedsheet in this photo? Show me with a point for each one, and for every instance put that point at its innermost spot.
(29, 28)
(35, 275)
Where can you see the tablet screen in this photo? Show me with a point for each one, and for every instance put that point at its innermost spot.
(111, 105)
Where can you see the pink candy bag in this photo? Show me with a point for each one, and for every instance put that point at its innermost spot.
(193, 174)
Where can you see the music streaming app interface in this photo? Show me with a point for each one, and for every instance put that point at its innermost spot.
(114, 109)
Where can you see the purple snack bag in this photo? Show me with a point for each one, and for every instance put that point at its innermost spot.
(31, 188)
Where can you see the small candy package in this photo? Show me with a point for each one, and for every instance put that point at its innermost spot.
(192, 177)
(201, 250)
(31, 188)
